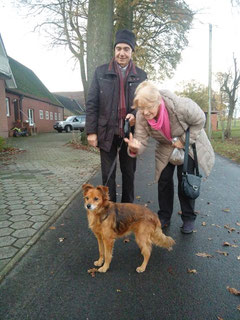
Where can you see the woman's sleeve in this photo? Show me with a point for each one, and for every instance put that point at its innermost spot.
(192, 116)
(141, 132)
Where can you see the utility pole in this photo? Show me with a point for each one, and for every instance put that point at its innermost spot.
(210, 84)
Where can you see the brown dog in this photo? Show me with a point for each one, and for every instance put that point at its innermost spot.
(109, 221)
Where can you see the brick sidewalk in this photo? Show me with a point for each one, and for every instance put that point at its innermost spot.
(36, 185)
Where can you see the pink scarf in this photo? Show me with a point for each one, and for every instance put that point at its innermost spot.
(162, 124)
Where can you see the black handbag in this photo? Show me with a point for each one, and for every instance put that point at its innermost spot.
(190, 182)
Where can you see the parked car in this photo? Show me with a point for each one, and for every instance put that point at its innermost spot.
(71, 123)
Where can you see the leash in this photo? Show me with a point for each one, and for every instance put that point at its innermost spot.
(126, 131)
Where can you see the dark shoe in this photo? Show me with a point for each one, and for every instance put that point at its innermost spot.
(187, 226)
(164, 223)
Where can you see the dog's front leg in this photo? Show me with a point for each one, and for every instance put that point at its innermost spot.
(99, 262)
(108, 247)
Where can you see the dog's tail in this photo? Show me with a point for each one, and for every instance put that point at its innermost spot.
(161, 240)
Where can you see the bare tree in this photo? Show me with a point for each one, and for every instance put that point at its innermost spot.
(230, 82)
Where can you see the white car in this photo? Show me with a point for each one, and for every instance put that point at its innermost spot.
(71, 123)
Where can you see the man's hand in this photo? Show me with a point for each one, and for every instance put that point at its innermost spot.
(133, 144)
(131, 118)
(92, 139)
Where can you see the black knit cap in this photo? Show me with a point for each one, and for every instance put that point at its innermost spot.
(125, 36)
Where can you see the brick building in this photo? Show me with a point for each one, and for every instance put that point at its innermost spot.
(24, 100)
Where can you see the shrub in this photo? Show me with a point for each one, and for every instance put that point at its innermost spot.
(2, 144)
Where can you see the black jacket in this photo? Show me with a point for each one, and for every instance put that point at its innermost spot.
(103, 99)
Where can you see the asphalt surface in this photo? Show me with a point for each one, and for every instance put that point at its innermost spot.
(51, 280)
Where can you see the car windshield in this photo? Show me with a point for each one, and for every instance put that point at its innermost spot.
(70, 118)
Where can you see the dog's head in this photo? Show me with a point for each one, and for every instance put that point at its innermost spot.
(95, 198)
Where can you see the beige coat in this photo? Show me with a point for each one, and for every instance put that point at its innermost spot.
(183, 113)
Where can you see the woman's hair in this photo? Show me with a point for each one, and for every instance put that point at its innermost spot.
(145, 94)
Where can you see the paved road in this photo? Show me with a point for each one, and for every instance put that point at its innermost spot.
(51, 281)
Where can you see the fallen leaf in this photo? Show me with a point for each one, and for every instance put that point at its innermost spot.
(204, 255)
(226, 210)
(92, 272)
(219, 318)
(227, 244)
(61, 239)
(170, 270)
(229, 228)
(204, 224)
(192, 271)
(222, 252)
(238, 257)
(118, 290)
(238, 224)
(52, 228)
(216, 225)
(238, 307)
(210, 239)
(233, 291)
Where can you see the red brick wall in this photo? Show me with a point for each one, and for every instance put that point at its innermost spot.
(42, 125)
(3, 111)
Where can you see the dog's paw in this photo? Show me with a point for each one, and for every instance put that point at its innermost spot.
(98, 263)
(103, 269)
(140, 269)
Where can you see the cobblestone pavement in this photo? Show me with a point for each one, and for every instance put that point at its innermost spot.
(36, 185)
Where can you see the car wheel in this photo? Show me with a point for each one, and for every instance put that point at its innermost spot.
(68, 129)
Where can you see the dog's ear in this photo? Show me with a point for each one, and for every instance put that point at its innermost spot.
(86, 187)
(104, 191)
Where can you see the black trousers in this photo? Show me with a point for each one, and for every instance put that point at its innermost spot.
(166, 193)
(127, 167)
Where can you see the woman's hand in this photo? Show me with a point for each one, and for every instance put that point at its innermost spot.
(178, 144)
(133, 144)
(131, 119)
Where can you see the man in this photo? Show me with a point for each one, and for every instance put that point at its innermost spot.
(108, 106)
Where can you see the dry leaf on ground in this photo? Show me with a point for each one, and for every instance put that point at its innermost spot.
(233, 291)
(52, 228)
(226, 210)
(204, 255)
(238, 307)
(229, 228)
(194, 271)
(238, 257)
(222, 252)
(238, 224)
(227, 244)
(204, 224)
(219, 318)
(61, 239)
(92, 272)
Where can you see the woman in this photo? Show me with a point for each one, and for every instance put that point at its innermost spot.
(164, 116)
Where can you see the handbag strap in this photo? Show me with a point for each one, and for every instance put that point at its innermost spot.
(185, 163)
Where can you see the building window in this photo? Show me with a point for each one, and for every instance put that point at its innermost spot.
(51, 115)
(41, 114)
(30, 117)
(59, 116)
(55, 115)
(46, 115)
(8, 107)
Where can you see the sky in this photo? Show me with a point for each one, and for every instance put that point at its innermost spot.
(57, 70)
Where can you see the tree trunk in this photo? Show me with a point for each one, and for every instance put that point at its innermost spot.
(99, 35)
(124, 15)
(228, 130)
